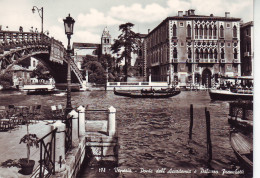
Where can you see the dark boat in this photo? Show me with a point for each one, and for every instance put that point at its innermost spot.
(147, 95)
(243, 148)
(41, 91)
(218, 94)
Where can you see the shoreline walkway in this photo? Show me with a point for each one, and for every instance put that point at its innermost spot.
(10, 149)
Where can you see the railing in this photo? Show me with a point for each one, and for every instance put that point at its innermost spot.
(68, 134)
(47, 155)
(76, 71)
(12, 39)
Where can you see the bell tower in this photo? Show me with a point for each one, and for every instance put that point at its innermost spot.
(106, 42)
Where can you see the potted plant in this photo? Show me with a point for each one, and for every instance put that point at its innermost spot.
(30, 140)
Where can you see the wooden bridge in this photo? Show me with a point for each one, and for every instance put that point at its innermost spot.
(17, 46)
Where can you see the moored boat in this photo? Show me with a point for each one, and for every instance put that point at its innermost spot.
(162, 90)
(218, 94)
(41, 91)
(147, 95)
(243, 149)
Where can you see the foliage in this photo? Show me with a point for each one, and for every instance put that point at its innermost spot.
(30, 140)
(108, 62)
(127, 42)
(88, 58)
(6, 80)
(41, 72)
(96, 72)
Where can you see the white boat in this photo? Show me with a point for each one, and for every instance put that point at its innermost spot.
(218, 94)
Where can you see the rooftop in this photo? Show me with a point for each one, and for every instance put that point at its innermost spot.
(84, 45)
(190, 15)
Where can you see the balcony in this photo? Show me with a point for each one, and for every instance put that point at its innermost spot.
(222, 61)
(235, 61)
(175, 60)
(206, 60)
(189, 61)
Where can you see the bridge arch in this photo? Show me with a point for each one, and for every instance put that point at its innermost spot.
(18, 46)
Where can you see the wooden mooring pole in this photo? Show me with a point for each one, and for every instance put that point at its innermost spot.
(209, 145)
(191, 121)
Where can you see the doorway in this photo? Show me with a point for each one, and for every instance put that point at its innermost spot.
(206, 78)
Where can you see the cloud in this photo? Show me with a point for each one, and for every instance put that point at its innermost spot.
(154, 12)
(87, 36)
(95, 19)
(137, 13)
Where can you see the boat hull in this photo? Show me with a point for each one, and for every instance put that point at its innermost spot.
(41, 92)
(227, 95)
(242, 147)
(148, 95)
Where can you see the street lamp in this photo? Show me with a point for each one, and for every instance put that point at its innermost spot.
(41, 15)
(68, 25)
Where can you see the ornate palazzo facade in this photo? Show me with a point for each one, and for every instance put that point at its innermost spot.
(193, 49)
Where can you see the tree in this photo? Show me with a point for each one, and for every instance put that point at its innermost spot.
(41, 72)
(128, 42)
(96, 72)
(6, 79)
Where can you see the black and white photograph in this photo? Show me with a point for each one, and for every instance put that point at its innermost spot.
(128, 88)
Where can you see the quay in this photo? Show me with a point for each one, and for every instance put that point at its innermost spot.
(76, 141)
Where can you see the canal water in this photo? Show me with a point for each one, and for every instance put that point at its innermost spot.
(153, 133)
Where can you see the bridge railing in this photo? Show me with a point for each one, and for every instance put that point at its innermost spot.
(13, 39)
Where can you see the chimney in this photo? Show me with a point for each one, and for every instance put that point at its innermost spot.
(186, 13)
(191, 12)
(180, 13)
(148, 31)
(227, 14)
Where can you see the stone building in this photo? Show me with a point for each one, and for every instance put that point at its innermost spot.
(93, 49)
(193, 49)
(246, 48)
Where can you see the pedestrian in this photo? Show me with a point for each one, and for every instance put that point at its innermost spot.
(20, 29)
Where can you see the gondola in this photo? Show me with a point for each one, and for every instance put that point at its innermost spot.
(218, 94)
(147, 95)
(41, 91)
(243, 149)
(167, 90)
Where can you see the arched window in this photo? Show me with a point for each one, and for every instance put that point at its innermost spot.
(189, 53)
(174, 30)
(196, 31)
(175, 54)
(34, 64)
(205, 32)
(215, 32)
(206, 54)
(201, 53)
(222, 54)
(201, 32)
(188, 31)
(210, 54)
(234, 32)
(197, 54)
(215, 54)
(221, 31)
(210, 32)
(235, 53)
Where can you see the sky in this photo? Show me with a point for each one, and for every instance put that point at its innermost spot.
(92, 16)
